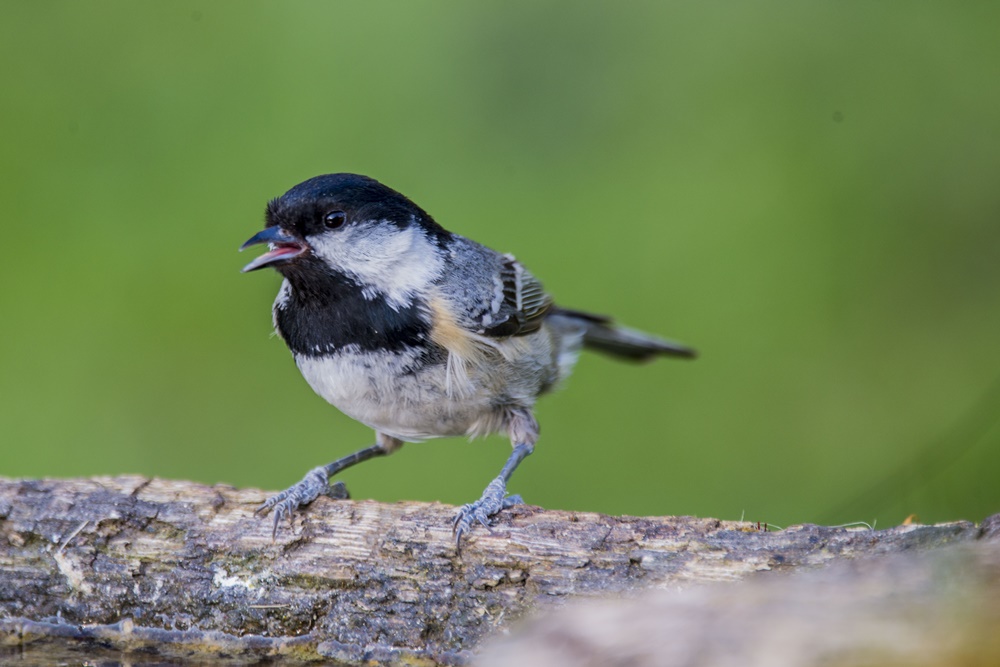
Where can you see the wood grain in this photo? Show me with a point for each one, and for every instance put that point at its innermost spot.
(185, 569)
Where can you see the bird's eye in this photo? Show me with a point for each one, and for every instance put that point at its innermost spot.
(334, 219)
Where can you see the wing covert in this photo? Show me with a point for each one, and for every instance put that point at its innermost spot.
(522, 303)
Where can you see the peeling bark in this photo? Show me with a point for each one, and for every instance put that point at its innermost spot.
(183, 569)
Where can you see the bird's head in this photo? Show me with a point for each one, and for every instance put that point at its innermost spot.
(353, 227)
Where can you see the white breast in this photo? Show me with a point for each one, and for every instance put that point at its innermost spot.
(385, 391)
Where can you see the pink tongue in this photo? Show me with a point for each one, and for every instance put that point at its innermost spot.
(281, 251)
(278, 253)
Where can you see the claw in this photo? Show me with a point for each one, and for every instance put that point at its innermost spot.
(298, 495)
(492, 502)
(265, 506)
(338, 491)
(274, 529)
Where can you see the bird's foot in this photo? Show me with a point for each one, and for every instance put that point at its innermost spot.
(493, 500)
(316, 483)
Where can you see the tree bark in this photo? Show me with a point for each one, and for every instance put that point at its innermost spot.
(921, 608)
(183, 569)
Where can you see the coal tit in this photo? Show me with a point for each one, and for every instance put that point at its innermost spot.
(418, 332)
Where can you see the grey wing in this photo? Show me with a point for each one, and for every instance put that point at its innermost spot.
(520, 304)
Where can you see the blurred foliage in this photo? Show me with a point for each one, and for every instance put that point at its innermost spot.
(808, 193)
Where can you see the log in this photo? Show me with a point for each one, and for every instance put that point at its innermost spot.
(936, 608)
(187, 570)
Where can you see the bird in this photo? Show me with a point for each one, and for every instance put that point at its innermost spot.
(418, 332)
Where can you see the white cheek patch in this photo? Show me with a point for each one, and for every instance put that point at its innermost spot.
(386, 260)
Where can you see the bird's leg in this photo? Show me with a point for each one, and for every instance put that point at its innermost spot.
(317, 482)
(494, 498)
(523, 432)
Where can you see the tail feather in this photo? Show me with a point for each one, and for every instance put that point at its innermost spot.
(601, 335)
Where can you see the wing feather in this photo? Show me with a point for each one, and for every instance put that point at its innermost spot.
(523, 306)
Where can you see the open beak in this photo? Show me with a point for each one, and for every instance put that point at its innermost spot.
(283, 245)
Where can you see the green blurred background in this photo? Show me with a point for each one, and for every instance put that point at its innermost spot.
(809, 193)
